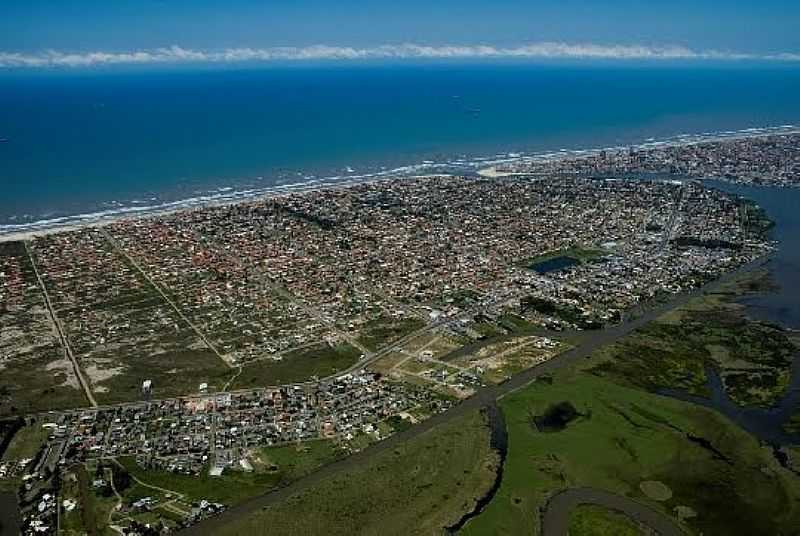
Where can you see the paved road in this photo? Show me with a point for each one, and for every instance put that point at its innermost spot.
(483, 397)
(555, 520)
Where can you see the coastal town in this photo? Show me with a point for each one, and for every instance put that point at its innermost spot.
(212, 434)
(771, 159)
(186, 343)
(222, 295)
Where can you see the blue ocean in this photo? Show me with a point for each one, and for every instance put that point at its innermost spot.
(81, 144)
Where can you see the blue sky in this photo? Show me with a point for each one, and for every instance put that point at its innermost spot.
(753, 27)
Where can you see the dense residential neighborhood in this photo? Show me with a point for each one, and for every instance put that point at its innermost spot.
(185, 343)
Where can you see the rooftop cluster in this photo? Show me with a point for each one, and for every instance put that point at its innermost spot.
(166, 314)
(188, 298)
(768, 160)
(213, 433)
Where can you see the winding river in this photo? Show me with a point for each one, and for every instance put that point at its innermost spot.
(556, 516)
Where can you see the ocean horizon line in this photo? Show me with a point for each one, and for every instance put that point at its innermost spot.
(538, 50)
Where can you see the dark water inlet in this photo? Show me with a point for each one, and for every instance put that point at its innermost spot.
(782, 307)
(782, 205)
(498, 442)
(554, 265)
(764, 423)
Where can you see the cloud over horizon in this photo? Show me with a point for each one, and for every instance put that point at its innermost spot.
(544, 50)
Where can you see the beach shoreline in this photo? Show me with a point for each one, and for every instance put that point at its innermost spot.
(686, 140)
(156, 212)
(484, 167)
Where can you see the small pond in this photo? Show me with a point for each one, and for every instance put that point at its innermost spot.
(555, 264)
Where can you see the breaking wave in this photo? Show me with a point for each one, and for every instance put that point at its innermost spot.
(114, 210)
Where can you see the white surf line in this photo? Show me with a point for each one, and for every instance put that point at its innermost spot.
(14, 232)
(57, 324)
(172, 304)
(488, 167)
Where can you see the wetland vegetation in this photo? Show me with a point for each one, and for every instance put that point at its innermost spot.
(753, 358)
(418, 487)
(684, 460)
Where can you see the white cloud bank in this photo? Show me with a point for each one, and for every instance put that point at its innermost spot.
(548, 50)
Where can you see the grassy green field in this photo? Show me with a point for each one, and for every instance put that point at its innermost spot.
(417, 488)
(619, 436)
(27, 386)
(590, 520)
(384, 330)
(274, 466)
(173, 374)
(299, 366)
(26, 442)
(625, 436)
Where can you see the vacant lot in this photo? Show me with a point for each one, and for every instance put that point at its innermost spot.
(35, 374)
(384, 330)
(298, 366)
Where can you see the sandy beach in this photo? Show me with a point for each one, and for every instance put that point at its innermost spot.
(486, 167)
(156, 212)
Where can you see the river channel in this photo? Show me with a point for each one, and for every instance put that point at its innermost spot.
(783, 207)
(499, 443)
(779, 306)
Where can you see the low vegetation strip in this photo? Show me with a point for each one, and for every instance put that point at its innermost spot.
(591, 520)
(419, 487)
(275, 467)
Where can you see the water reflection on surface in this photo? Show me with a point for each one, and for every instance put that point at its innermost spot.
(783, 207)
(781, 306)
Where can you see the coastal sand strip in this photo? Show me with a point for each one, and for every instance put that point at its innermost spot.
(57, 323)
(172, 304)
